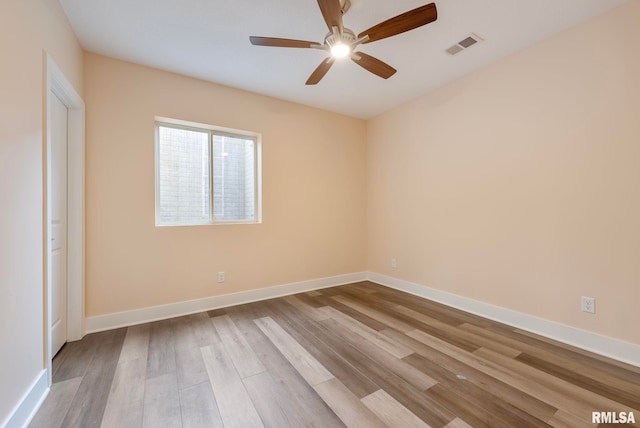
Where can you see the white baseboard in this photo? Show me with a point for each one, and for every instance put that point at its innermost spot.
(593, 342)
(155, 313)
(27, 407)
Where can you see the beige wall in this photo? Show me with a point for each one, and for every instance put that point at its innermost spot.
(27, 27)
(519, 185)
(313, 193)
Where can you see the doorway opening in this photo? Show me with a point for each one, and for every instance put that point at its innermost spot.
(64, 216)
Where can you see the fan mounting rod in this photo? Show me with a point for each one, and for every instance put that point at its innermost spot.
(345, 5)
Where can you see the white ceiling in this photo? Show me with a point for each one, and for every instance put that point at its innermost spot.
(209, 39)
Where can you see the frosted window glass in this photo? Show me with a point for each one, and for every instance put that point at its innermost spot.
(233, 178)
(183, 173)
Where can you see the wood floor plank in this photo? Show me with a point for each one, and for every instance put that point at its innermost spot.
(509, 410)
(162, 402)
(294, 323)
(437, 310)
(478, 416)
(370, 298)
(202, 329)
(347, 406)
(391, 412)
(331, 291)
(618, 390)
(308, 367)
(571, 362)
(267, 399)
(190, 368)
(373, 336)
(563, 419)
(243, 357)
(577, 399)
(459, 388)
(217, 312)
(136, 343)
(300, 403)
(415, 377)
(460, 334)
(162, 354)
(617, 368)
(457, 423)
(422, 406)
(235, 405)
(552, 390)
(449, 335)
(87, 408)
(55, 407)
(326, 301)
(74, 357)
(307, 309)
(126, 396)
(502, 373)
(70, 350)
(363, 287)
(309, 299)
(198, 407)
(450, 371)
(389, 321)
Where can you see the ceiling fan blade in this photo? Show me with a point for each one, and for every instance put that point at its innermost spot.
(404, 22)
(332, 13)
(281, 43)
(374, 65)
(319, 72)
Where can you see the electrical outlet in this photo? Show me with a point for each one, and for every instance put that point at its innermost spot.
(394, 263)
(588, 304)
(221, 277)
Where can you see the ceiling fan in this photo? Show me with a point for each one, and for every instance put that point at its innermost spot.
(341, 42)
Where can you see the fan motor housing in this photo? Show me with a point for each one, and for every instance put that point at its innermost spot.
(347, 37)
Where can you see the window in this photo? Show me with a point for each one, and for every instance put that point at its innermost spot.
(206, 174)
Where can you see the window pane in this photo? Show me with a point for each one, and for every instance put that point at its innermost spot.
(183, 162)
(233, 178)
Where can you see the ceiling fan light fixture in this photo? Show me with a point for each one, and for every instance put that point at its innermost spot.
(341, 42)
(340, 50)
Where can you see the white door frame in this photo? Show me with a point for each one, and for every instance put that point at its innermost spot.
(57, 84)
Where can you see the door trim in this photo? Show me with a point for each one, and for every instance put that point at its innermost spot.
(56, 83)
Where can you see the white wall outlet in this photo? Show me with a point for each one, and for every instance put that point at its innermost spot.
(588, 304)
(221, 276)
(394, 263)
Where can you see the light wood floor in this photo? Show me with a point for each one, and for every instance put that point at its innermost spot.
(360, 355)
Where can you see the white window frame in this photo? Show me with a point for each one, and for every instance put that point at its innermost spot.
(211, 130)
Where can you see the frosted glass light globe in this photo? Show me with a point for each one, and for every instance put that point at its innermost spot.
(340, 50)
